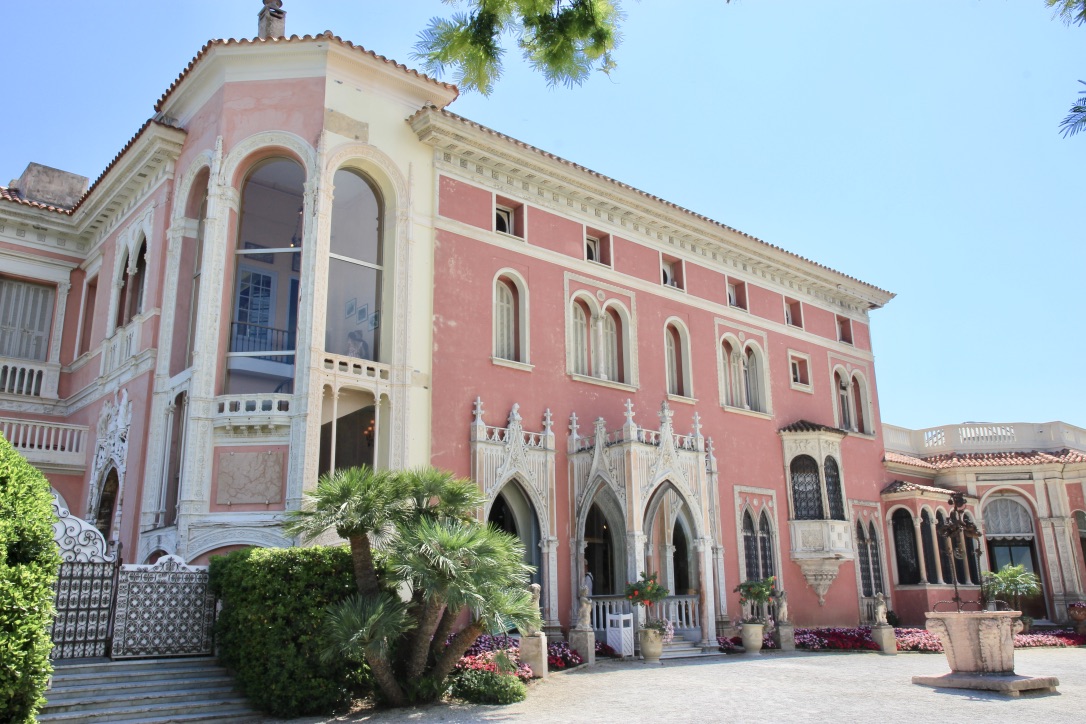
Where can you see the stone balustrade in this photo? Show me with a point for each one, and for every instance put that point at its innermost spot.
(602, 606)
(47, 443)
(254, 410)
(973, 437)
(27, 378)
(119, 348)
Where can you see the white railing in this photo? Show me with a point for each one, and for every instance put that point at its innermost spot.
(683, 611)
(119, 348)
(360, 369)
(984, 437)
(604, 605)
(46, 442)
(29, 379)
(501, 435)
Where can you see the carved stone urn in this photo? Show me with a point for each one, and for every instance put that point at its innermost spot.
(977, 642)
(652, 645)
(752, 633)
(1077, 614)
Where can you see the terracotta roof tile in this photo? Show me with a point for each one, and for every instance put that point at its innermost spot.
(326, 35)
(645, 194)
(902, 486)
(981, 460)
(808, 426)
(12, 195)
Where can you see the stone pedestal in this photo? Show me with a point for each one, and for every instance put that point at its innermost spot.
(533, 651)
(785, 637)
(883, 635)
(584, 643)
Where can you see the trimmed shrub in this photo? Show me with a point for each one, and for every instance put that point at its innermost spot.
(268, 631)
(480, 686)
(29, 561)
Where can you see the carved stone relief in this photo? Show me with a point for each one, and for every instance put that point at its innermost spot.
(111, 449)
(250, 477)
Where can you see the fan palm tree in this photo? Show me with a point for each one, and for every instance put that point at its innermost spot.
(363, 506)
(1076, 119)
(360, 629)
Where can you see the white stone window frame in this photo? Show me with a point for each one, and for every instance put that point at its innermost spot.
(817, 445)
(871, 521)
(736, 293)
(891, 545)
(743, 501)
(856, 379)
(522, 312)
(127, 247)
(508, 210)
(743, 337)
(672, 272)
(789, 316)
(605, 296)
(685, 393)
(624, 334)
(796, 355)
(91, 274)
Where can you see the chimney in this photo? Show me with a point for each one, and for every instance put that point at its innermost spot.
(272, 20)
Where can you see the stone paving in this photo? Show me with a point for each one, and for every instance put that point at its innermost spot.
(773, 687)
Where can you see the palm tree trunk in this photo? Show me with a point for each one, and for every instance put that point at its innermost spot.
(419, 651)
(444, 628)
(386, 680)
(365, 576)
(456, 648)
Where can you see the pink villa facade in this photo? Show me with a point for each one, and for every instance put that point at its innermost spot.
(305, 261)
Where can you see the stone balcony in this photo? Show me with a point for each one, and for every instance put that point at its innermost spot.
(819, 547)
(979, 437)
(28, 378)
(48, 445)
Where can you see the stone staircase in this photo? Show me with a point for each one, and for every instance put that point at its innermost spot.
(681, 648)
(151, 691)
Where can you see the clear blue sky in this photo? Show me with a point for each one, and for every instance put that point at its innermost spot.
(911, 144)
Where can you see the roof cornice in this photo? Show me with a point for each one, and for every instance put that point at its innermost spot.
(503, 161)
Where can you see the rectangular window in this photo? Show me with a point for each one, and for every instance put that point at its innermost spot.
(844, 329)
(671, 272)
(509, 217)
(799, 369)
(737, 294)
(793, 312)
(26, 318)
(597, 247)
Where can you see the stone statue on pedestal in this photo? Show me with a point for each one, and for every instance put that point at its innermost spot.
(782, 607)
(532, 629)
(584, 611)
(880, 609)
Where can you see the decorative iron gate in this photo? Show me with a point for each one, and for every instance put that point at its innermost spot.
(84, 588)
(166, 609)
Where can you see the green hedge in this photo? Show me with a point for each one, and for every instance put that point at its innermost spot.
(29, 561)
(273, 602)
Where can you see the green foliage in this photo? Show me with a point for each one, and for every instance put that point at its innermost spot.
(29, 561)
(645, 591)
(563, 39)
(756, 590)
(1010, 582)
(269, 628)
(488, 687)
(1076, 119)
(1071, 12)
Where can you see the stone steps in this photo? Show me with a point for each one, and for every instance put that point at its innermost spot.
(152, 691)
(683, 649)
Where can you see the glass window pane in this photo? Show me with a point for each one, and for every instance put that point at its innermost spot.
(354, 310)
(356, 219)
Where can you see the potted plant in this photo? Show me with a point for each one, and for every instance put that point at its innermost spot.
(754, 595)
(1011, 583)
(1076, 611)
(647, 591)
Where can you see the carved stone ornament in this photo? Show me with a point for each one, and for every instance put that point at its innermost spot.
(79, 541)
(111, 449)
(820, 574)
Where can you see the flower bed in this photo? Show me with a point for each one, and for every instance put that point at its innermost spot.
(561, 656)
(497, 654)
(908, 639)
(602, 649)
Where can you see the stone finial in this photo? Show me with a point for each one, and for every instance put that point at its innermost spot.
(629, 411)
(573, 426)
(666, 413)
(271, 20)
(697, 424)
(548, 420)
(477, 411)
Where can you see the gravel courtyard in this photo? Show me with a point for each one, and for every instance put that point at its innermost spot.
(801, 686)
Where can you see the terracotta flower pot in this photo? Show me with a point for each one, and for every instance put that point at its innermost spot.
(752, 634)
(652, 645)
(1078, 617)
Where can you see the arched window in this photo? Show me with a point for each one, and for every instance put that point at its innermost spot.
(130, 304)
(355, 269)
(614, 362)
(581, 352)
(927, 539)
(806, 489)
(107, 504)
(757, 547)
(833, 489)
(1008, 527)
(750, 548)
(908, 560)
(731, 374)
(944, 557)
(867, 587)
(676, 384)
(859, 405)
(765, 545)
(505, 320)
(197, 273)
(844, 404)
(876, 557)
(753, 381)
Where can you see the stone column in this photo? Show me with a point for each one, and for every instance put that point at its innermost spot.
(940, 575)
(920, 549)
(63, 288)
(704, 546)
